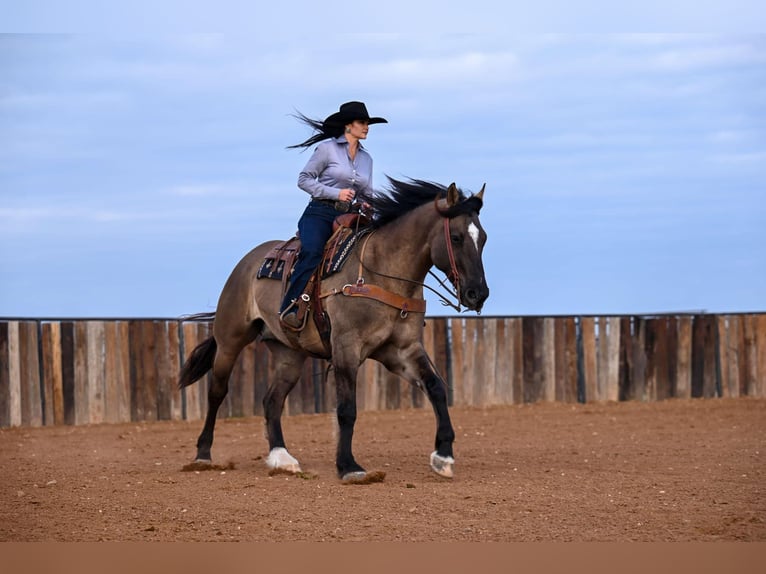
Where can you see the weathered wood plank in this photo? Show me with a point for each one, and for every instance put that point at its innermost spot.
(672, 354)
(565, 359)
(723, 353)
(261, 377)
(734, 346)
(626, 360)
(29, 375)
(760, 341)
(136, 371)
(13, 401)
(590, 361)
(53, 407)
(81, 407)
(712, 384)
(640, 360)
(516, 346)
(457, 349)
(5, 383)
(684, 372)
(703, 357)
(148, 385)
(602, 358)
(246, 394)
(503, 391)
(440, 359)
(612, 390)
(295, 398)
(651, 345)
(111, 376)
(363, 382)
(68, 370)
(95, 359)
(174, 366)
(190, 394)
(391, 397)
(312, 377)
(486, 353)
(532, 328)
(699, 334)
(548, 360)
(116, 372)
(368, 394)
(411, 395)
(164, 370)
(470, 360)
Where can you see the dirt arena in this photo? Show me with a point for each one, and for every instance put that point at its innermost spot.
(668, 471)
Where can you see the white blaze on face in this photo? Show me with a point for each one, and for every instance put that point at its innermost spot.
(473, 231)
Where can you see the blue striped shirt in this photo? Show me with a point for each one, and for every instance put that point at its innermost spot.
(330, 169)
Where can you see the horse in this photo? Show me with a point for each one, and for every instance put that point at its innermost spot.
(375, 307)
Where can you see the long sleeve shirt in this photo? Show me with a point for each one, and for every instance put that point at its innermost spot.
(330, 169)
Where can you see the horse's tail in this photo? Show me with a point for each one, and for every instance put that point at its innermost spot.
(199, 362)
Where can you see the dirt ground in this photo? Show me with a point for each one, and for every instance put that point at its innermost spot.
(668, 471)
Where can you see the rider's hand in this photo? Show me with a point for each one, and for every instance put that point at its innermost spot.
(346, 195)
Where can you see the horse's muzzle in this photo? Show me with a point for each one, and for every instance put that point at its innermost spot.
(473, 296)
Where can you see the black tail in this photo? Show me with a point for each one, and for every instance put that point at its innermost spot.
(199, 362)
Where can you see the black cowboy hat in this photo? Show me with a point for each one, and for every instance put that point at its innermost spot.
(351, 111)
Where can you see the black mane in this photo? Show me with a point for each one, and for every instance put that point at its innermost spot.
(401, 197)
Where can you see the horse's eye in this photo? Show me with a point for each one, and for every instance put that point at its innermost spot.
(456, 238)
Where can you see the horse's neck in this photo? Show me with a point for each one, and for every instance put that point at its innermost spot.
(403, 247)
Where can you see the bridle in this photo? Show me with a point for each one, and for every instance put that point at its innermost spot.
(454, 274)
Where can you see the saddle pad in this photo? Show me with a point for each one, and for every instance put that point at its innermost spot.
(273, 266)
(337, 250)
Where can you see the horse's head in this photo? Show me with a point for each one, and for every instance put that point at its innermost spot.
(458, 252)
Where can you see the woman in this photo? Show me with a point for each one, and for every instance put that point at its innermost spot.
(338, 174)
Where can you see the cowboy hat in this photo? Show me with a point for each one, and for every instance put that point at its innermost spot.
(351, 111)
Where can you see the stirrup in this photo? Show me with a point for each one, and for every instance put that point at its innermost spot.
(293, 309)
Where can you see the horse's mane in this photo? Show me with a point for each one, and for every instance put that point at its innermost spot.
(401, 197)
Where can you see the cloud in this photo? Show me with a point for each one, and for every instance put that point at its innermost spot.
(206, 190)
(757, 158)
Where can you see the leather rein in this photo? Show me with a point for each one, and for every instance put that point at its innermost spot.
(405, 304)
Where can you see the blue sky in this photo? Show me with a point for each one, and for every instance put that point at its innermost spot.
(626, 173)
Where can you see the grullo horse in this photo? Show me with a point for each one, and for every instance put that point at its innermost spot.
(375, 307)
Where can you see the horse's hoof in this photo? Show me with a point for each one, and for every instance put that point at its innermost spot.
(355, 476)
(280, 459)
(203, 461)
(362, 477)
(443, 465)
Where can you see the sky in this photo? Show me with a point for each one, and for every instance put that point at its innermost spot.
(625, 172)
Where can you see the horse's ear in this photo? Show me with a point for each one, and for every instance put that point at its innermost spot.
(453, 195)
(480, 195)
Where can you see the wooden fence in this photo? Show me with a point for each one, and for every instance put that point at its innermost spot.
(70, 372)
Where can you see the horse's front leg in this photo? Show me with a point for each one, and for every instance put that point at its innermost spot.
(442, 459)
(414, 366)
(345, 388)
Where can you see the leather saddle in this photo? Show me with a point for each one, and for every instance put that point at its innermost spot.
(280, 260)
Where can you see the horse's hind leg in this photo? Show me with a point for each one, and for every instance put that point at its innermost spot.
(288, 365)
(222, 367)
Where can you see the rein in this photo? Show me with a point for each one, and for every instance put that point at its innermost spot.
(406, 304)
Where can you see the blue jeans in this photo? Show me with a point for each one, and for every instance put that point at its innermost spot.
(314, 229)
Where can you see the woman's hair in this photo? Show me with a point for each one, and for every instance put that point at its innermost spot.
(322, 131)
